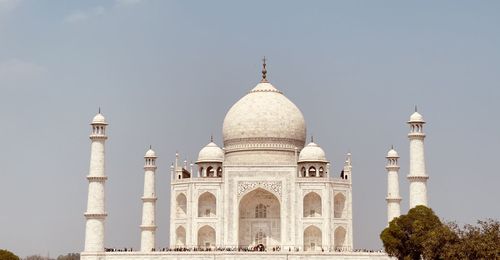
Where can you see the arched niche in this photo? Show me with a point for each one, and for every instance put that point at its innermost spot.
(312, 239)
(312, 205)
(180, 237)
(259, 219)
(207, 205)
(181, 205)
(339, 238)
(339, 206)
(206, 237)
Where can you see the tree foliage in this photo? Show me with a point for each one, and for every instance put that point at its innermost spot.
(7, 255)
(420, 233)
(406, 235)
(71, 256)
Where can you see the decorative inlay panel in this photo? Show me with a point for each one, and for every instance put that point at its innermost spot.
(272, 186)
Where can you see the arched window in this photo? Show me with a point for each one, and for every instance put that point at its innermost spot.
(303, 171)
(210, 172)
(312, 171)
(321, 172)
(219, 172)
(260, 211)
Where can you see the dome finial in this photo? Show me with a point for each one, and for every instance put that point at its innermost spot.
(211, 138)
(99, 110)
(312, 138)
(264, 70)
(416, 110)
(392, 147)
(150, 146)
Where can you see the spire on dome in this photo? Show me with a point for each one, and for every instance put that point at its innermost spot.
(264, 70)
(211, 138)
(416, 110)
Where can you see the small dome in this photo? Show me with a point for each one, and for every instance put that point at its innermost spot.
(150, 153)
(99, 119)
(416, 117)
(312, 153)
(392, 153)
(211, 153)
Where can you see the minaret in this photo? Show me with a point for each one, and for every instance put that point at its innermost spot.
(148, 226)
(417, 177)
(96, 214)
(393, 199)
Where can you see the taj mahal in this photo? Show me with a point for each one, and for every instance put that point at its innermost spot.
(265, 191)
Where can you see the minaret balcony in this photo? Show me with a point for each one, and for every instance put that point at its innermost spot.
(416, 135)
(393, 199)
(417, 178)
(95, 215)
(98, 137)
(149, 199)
(148, 227)
(97, 178)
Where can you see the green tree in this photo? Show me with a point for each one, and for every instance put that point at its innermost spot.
(7, 255)
(71, 256)
(406, 235)
(479, 242)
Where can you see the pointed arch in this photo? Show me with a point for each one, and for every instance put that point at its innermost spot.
(207, 205)
(259, 219)
(206, 237)
(180, 237)
(339, 206)
(312, 239)
(181, 205)
(312, 205)
(339, 238)
(312, 171)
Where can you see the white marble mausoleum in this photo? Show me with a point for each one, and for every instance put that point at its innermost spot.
(265, 191)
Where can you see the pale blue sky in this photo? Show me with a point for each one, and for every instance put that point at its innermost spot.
(166, 72)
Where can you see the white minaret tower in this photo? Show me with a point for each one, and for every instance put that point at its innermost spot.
(393, 199)
(96, 214)
(148, 226)
(417, 177)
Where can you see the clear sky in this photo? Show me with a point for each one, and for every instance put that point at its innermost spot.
(166, 72)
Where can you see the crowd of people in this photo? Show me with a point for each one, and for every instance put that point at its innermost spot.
(257, 248)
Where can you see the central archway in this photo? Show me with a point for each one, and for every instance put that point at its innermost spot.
(259, 219)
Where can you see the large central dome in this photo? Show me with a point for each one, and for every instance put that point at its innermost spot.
(264, 119)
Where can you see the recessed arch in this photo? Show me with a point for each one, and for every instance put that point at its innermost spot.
(207, 205)
(339, 238)
(210, 171)
(312, 239)
(206, 237)
(312, 171)
(312, 205)
(180, 237)
(181, 205)
(259, 219)
(339, 206)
